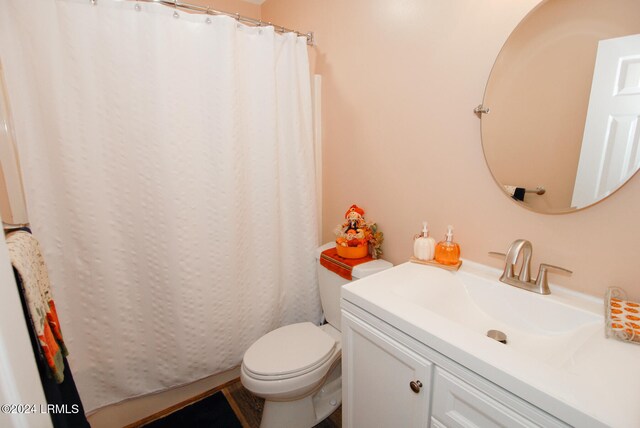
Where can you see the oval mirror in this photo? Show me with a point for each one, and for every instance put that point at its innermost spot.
(563, 128)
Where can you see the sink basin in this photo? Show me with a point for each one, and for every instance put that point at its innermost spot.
(543, 327)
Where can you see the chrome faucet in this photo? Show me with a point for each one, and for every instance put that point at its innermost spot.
(518, 246)
(523, 279)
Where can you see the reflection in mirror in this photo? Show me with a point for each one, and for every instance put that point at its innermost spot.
(564, 100)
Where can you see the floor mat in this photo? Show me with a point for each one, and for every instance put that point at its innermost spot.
(211, 412)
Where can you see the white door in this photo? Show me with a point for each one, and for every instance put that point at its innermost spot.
(384, 384)
(610, 154)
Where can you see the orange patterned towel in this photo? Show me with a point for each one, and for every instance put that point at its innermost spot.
(623, 316)
(343, 267)
(27, 259)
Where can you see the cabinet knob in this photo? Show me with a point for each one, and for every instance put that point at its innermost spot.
(415, 385)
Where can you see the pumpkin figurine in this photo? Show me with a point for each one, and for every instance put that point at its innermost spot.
(355, 238)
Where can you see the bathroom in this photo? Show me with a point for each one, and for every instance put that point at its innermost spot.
(398, 84)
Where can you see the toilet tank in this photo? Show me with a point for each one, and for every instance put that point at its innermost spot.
(331, 283)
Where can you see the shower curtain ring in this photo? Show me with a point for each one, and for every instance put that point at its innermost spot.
(176, 15)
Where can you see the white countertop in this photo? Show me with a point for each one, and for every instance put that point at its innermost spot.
(599, 384)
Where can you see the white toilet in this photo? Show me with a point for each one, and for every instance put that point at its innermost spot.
(296, 368)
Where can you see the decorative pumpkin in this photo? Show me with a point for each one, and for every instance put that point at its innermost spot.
(355, 238)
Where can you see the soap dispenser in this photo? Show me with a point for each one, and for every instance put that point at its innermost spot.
(447, 251)
(424, 246)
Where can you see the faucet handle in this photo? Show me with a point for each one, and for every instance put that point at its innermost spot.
(545, 266)
(541, 282)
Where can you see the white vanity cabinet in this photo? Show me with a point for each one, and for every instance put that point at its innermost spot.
(392, 380)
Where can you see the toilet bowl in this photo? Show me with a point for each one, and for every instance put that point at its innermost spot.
(297, 368)
(307, 391)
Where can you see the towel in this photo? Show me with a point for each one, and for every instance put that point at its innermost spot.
(340, 265)
(27, 260)
(516, 193)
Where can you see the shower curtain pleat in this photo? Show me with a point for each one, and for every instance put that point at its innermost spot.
(169, 175)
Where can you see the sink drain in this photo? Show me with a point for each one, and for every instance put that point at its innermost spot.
(497, 335)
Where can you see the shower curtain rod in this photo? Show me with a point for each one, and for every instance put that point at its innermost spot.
(236, 16)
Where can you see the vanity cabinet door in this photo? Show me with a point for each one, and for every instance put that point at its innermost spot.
(457, 404)
(385, 384)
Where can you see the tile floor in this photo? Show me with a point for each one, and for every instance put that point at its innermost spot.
(248, 408)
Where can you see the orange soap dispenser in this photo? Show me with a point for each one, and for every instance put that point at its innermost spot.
(447, 251)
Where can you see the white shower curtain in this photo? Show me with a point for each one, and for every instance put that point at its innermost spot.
(169, 174)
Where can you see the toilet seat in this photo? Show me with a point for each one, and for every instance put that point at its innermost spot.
(288, 352)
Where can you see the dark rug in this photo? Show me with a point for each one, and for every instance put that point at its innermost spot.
(211, 412)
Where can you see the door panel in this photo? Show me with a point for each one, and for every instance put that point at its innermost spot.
(609, 155)
(377, 372)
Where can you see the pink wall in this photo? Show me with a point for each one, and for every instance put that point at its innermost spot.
(232, 6)
(400, 81)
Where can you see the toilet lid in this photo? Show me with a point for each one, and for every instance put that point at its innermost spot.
(292, 349)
